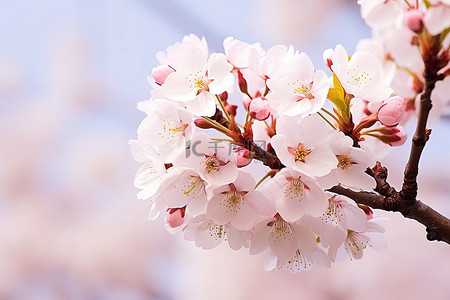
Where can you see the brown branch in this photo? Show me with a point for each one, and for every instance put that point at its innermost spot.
(437, 225)
(433, 63)
(267, 158)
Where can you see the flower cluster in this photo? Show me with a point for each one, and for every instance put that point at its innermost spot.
(403, 33)
(207, 190)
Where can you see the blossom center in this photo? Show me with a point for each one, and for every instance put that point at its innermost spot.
(171, 129)
(193, 186)
(334, 213)
(295, 189)
(232, 201)
(217, 231)
(298, 262)
(344, 161)
(355, 242)
(358, 80)
(212, 164)
(300, 152)
(198, 81)
(281, 229)
(302, 89)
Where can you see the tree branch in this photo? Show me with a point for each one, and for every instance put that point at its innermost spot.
(387, 198)
(433, 63)
(437, 225)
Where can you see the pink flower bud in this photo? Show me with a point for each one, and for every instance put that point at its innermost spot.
(242, 83)
(175, 217)
(242, 157)
(259, 108)
(394, 136)
(401, 136)
(327, 57)
(414, 20)
(160, 74)
(392, 111)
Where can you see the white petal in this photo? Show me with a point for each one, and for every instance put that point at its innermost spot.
(178, 87)
(203, 104)
(282, 241)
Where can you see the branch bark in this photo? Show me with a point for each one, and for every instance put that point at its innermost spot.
(437, 225)
(433, 63)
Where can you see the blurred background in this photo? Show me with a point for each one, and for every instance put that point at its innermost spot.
(71, 74)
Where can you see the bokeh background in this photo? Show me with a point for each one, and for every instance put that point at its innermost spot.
(71, 74)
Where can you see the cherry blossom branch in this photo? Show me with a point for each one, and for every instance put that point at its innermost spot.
(437, 225)
(405, 201)
(422, 134)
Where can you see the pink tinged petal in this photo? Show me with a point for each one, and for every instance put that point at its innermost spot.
(245, 218)
(280, 144)
(218, 66)
(224, 175)
(179, 86)
(355, 244)
(181, 187)
(259, 237)
(223, 208)
(270, 262)
(333, 236)
(210, 235)
(305, 237)
(290, 206)
(300, 107)
(260, 203)
(298, 263)
(355, 176)
(437, 18)
(142, 152)
(154, 212)
(316, 201)
(221, 85)
(203, 104)
(319, 162)
(356, 219)
(282, 241)
(320, 258)
(244, 182)
(237, 239)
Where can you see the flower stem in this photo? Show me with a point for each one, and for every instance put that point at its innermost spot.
(217, 125)
(326, 120)
(227, 115)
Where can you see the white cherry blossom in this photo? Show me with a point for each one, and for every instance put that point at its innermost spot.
(356, 242)
(437, 17)
(213, 160)
(168, 127)
(149, 176)
(182, 187)
(208, 234)
(298, 89)
(238, 52)
(382, 14)
(359, 75)
(301, 261)
(303, 146)
(238, 203)
(295, 194)
(198, 85)
(341, 215)
(282, 237)
(352, 163)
